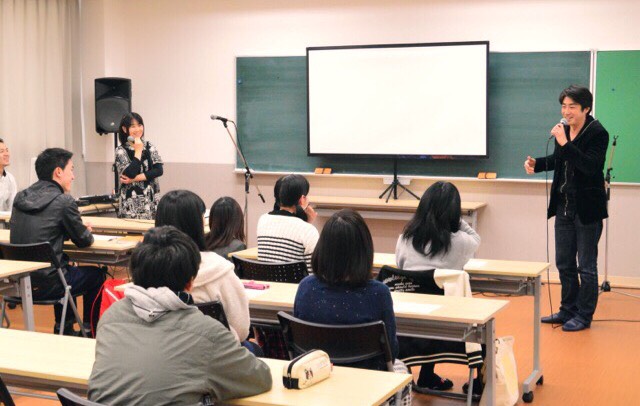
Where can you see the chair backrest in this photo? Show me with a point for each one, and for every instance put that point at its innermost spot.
(68, 398)
(345, 344)
(5, 396)
(399, 280)
(39, 252)
(214, 309)
(288, 272)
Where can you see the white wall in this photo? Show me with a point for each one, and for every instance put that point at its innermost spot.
(181, 55)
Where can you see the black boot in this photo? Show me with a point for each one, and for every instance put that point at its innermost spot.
(68, 330)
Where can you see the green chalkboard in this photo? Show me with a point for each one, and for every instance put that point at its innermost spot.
(617, 100)
(523, 106)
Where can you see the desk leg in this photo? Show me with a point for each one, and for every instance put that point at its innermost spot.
(536, 375)
(490, 387)
(27, 303)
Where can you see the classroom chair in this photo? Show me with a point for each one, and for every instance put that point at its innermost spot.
(438, 351)
(287, 272)
(214, 309)
(5, 396)
(270, 335)
(41, 252)
(347, 345)
(68, 398)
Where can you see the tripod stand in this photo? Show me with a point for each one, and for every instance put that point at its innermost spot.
(606, 286)
(393, 187)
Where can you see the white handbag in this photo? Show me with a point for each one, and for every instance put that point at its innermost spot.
(506, 379)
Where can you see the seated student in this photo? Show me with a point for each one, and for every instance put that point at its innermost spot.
(216, 279)
(46, 212)
(309, 214)
(283, 237)
(436, 237)
(154, 348)
(226, 223)
(8, 188)
(341, 290)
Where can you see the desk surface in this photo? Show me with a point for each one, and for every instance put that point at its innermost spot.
(63, 359)
(372, 203)
(10, 267)
(116, 244)
(475, 266)
(281, 296)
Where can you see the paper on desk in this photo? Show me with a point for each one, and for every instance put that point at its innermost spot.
(5, 213)
(408, 307)
(475, 263)
(253, 293)
(100, 237)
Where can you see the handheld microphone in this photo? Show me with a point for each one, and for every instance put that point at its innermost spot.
(130, 141)
(563, 121)
(224, 120)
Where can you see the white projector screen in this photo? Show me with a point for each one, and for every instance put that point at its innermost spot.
(390, 100)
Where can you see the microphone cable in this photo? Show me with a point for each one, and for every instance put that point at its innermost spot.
(546, 188)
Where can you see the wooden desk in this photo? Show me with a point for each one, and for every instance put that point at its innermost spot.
(488, 275)
(112, 225)
(113, 252)
(20, 270)
(370, 207)
(417, 315)
(48, 362)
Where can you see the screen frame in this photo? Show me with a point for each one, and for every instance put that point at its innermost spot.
(402, 156)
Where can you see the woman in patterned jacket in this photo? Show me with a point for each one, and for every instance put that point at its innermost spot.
(139, 166)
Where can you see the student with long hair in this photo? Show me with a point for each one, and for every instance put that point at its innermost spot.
(139, 166)
(216, 279)
(226, 223)
(436, 237)
(342, 289)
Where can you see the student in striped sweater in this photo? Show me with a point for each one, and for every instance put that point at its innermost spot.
(281, 235)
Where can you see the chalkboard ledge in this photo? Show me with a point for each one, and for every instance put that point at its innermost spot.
(240, 171)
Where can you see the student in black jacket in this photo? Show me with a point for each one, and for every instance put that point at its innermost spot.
(46, 212)
(579, 202)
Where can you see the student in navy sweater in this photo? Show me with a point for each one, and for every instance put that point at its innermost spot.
(342, 290)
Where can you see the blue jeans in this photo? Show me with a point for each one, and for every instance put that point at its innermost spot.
(575, 239)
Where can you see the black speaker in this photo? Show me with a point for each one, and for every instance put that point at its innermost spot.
(113, 100)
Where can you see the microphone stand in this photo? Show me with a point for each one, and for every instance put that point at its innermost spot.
(606, 286)
(247, 178)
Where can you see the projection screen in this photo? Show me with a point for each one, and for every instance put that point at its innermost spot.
(398, 100)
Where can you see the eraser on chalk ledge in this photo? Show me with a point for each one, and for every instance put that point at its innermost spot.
(322, 171)
(487, 175)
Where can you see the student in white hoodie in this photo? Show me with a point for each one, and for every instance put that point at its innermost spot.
(216, 279)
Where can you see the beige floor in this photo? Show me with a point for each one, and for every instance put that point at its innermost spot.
(599, 366)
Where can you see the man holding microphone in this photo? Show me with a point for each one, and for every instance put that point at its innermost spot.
(579, 202)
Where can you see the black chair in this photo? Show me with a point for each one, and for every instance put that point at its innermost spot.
(41, 252)
(214, 309)
(68, 398)
(347, 345)
(400, 280)
(5, 396)
(287, 272)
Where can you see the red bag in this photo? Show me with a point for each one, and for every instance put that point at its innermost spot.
(109, 293)
(109, 296)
